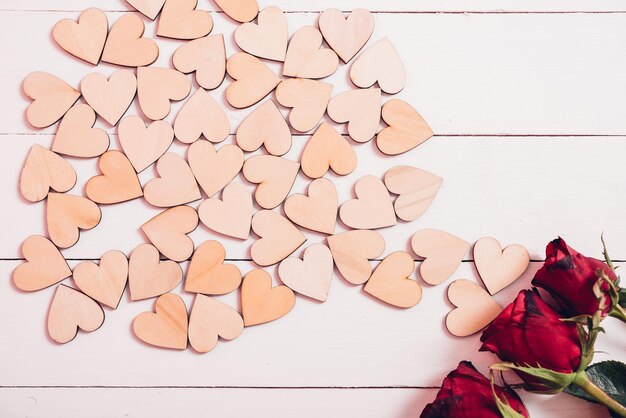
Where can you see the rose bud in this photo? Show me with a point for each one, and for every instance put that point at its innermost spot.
(466, 393)
(570, 278)
(544, 350)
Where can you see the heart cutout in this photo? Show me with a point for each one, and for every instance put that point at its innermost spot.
(499, 268)
(306, 59)
(207, 273)
(109, 98)
(361, 109)
(372, 208)
(45, 170)
(144, 145)
(416, 189)
(168, 232)
(241, 11)
(379, 63)
(390, 281)
(176, 184)
(104, 283)
(260, 302)
(51, 96)
(253, 80)
(118, 182)
(44, 265)
(211, 319)
(407, 129)
(308, 100)
(265, 126)
(204, 56)
(274, 175)
(475, 308)
(214, 169)
(149, 8)
(76, 136)
(84, 39)
(327, 149)
(443, 253)
(148, 277)
(318, 210)
(267, 39)
(66, 215)
(180, 20)
(156, 87)
(346, 36)
(278, 238)
(167, 326)
(230, 216)
(71, 310)
(125, 45)
(201, 115)
(352, 252)
(310, 276)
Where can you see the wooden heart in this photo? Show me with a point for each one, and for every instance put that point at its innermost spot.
(156, 87)
(126, 46)
(372, 208)
(361, 109)
(305, 58)
(118, 182)
(265, 126)
(310, 276)
(416, 189)
(308, 100)
(168, 232)
(443, 253)
(210, 319)
(253, 80)
(274, 175)
(51, 96)
(475, 308)
(352, 251)
(260, 302)
(147, 277)
(109, 98)
(499, 268)
(327, 149)
(240, 10)
(149, 8)
(204, 56)
(44, 265)
(318, 210)
(390, 281)
(105, 282)
(180, 20)
(71, 310)
(175, 186)
(267, 39)
(278, 238)
(346, 36)
(407, 129)
(84, 39)
(214, 169)
(76, 136)
(230, 216)
(66, 215)
(167, 326)
(207, 272)
(201, 115)
(45, 170)
(379, 63)
(144, 145)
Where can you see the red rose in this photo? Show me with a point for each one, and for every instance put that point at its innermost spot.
(570, 278)
(466, 393)
(530, 333)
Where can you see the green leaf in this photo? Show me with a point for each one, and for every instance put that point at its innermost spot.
(610, 376)
(622, 298)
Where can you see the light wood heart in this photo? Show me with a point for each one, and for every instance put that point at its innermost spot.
(260, 302)
(416, 190)
(180, 20)
(407, 129)
(167, 326)
(239, 10)
(105, 282)
(76, 136)
(148, 277)
(310, 276)
(305, 57)
(109, 98)
(318, 210)
(230, 216)
(201, 115)
(118, 182)
(278, 238)
(379, 63)
(265, 126)
(308, 100)
(390, 281)
(51, 96)
(372, 208)
(327, 149)
(126, 45)
(443, 253)
(475, 308)
(267, 39)
(144, 145)
(352, 251)
(168, 232)
(210, 319)
(499, 268)
(66, 215)
(149, 8)
(361, 109)
(84, 39)
(253, 80)
(207, 272)
(44, 170)
(44, 265)
(214, 169)
(70, 311)
(204, 56)
(346, 36)
(175, 186)
(274, 175)
(157, 87)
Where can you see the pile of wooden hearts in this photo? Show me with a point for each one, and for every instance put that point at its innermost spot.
(206, 170)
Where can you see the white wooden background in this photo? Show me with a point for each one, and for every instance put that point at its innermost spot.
(527, 100)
